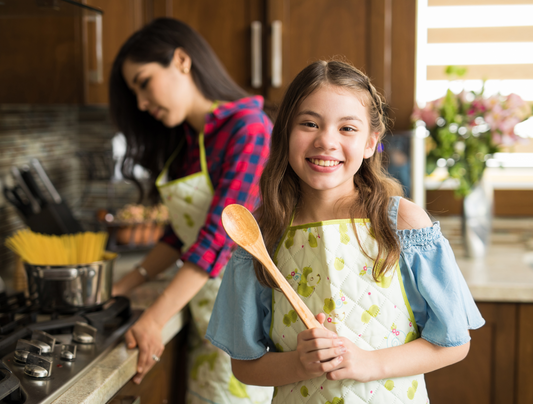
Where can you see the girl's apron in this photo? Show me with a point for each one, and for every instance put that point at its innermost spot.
(325, 265)
(210, 378)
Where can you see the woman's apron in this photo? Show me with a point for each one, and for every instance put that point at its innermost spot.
(210, 378)
(325, 265)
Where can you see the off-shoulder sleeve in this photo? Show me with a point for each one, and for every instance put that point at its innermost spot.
(436, 289)
(241, 316)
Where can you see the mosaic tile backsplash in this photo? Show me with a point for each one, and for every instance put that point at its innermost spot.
(57, 135)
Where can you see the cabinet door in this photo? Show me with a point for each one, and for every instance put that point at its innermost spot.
(312, 30)
(121, 18)
(40, 61)
(226, 26)
(487, 375)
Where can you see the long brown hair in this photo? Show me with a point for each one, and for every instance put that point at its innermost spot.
(280, 186)
(149, 142)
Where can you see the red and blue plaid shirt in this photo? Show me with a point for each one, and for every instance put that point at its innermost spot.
(237, 144)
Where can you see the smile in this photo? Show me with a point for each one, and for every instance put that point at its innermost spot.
(325, 163)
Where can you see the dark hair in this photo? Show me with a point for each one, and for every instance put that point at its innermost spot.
(280, 185)
(149, 142)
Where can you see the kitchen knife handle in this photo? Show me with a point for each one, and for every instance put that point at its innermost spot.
(46, 181)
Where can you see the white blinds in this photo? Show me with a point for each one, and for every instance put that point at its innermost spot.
(493, 39)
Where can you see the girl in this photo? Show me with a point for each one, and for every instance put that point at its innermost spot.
(204, 144)
(376, 272)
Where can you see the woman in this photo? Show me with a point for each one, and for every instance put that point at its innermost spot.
(204, 144)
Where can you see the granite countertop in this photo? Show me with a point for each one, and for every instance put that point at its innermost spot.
(504, 275)
(118, 367)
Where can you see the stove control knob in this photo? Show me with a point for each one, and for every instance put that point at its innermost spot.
(25, 347)
(68, 352)
(38, 366)
(84, 333)
(45, 340)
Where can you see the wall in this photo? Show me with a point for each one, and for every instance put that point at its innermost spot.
(54, 135)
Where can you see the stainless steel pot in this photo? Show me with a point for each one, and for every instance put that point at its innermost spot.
(72, 286)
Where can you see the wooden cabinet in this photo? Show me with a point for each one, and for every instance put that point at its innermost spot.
(377, 36)
(120, 19)
(499, 366)
(165, 382)
(48, 57)
(50, 61)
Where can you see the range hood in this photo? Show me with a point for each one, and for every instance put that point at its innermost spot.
(38, 8)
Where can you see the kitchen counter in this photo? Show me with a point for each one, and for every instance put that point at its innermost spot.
(504, 275)
(108, 376)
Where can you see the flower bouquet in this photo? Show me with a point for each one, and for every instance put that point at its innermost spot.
(466, 129)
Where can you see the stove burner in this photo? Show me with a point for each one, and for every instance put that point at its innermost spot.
(76, 343)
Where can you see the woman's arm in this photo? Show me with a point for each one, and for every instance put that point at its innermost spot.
(146, 332)
(158, 259)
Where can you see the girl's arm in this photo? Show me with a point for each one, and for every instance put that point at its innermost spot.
(413, 358)
(146, 332)
(318, 351)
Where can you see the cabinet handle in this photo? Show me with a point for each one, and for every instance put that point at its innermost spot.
(97, 76)
(257, 71)
(276, 54)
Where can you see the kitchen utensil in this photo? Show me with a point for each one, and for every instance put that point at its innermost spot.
(69, 287)
(242, 227)
(58, 214)
(13, 197)
(27, 176)
(35, 207)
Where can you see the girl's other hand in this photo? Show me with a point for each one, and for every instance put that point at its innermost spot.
(145, 334)
(319, 351)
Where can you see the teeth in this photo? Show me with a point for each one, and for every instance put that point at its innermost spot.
(325, 163)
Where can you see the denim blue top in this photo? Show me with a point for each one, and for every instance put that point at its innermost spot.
(442, 304)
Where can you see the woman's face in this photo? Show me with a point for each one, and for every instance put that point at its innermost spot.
(330, 137)
(164, 92)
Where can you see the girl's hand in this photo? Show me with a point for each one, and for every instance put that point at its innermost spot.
(146, 334)
(319, 351)
(357, 364)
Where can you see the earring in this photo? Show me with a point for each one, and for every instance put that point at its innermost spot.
(185, 70)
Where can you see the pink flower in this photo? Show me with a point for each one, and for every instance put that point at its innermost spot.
(427, 114)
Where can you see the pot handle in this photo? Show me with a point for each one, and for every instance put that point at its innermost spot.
(58, 274)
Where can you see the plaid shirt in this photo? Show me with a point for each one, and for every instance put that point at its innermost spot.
(237, 144)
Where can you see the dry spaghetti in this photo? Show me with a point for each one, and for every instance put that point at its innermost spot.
(68, 249)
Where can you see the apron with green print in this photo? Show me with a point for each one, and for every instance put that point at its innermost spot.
(210, 378)
(325, 265)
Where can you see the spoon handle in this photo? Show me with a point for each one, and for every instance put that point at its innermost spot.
(296, 302)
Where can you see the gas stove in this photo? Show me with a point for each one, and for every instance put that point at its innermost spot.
(43, 354)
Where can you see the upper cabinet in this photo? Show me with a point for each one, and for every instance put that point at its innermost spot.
(262, 43)
(61, 53)
(265, 43)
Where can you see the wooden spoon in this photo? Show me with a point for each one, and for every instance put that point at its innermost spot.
(244, 230)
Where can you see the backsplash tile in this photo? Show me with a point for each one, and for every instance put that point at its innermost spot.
(54, 135)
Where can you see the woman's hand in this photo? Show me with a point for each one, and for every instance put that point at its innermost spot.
(146, 334)
(319, 351)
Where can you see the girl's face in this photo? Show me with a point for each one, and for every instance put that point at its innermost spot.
(329, 139)
(164, 92)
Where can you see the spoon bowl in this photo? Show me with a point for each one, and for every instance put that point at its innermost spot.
(242, 227)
